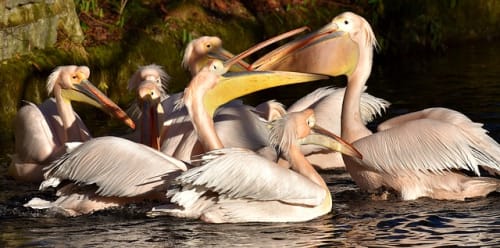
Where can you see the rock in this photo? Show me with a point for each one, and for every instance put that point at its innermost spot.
(29, 24)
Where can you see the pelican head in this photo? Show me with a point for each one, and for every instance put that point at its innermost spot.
(303, 130)
(149, 97)
(149, 84)
(359, 32)
(224, 88)
(332, 50)
(196, 54)
(208, 90)
(356, 27)
(70, 83)
(153, 73)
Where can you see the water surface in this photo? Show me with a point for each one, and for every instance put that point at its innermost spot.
(464, 78)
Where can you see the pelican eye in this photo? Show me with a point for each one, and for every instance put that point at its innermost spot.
(346, 22)
(217, 67)
(311, 121)
(152, 93)
(208, 45)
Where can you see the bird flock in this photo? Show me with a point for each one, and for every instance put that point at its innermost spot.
(204, 154)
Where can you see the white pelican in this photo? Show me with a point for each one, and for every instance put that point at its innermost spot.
(437, 152)
(149, 84)
(109, 171)
(41, 131)
(237, 185)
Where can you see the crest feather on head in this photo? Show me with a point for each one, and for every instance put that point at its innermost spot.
(138, 77)
(56, 75)
(364, 27)
(283, 133)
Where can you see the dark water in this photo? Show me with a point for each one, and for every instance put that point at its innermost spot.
(465, 79)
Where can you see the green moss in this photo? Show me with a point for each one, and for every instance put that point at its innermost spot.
(104, 55)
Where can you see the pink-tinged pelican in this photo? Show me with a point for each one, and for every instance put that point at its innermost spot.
(149, 84)
(41, 131)
(109, 171)
(421, 154)
(237, 185)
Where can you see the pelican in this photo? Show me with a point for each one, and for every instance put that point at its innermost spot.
(237, 185)
(437, 152)
(149, 84)
(110, 171)
(41, 131)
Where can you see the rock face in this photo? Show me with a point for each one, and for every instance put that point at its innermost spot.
(29, 24)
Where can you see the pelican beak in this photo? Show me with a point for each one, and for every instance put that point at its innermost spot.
(327, 139)
(88, 93)
(237, 84)
(263, 44)
(327, 51)
(150, 130)
(232, 60)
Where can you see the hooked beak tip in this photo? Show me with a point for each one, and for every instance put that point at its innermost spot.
(129, 122)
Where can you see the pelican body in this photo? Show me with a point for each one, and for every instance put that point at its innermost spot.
(437, 152)
(237, 185)
(109, 172)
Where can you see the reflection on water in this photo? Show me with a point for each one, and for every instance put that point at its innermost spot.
(356, 220)
(465, 79)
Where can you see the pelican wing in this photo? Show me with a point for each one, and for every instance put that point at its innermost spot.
(238, 126)
(117, 166)
(431, 145)
(241, 174)
(327, 102)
